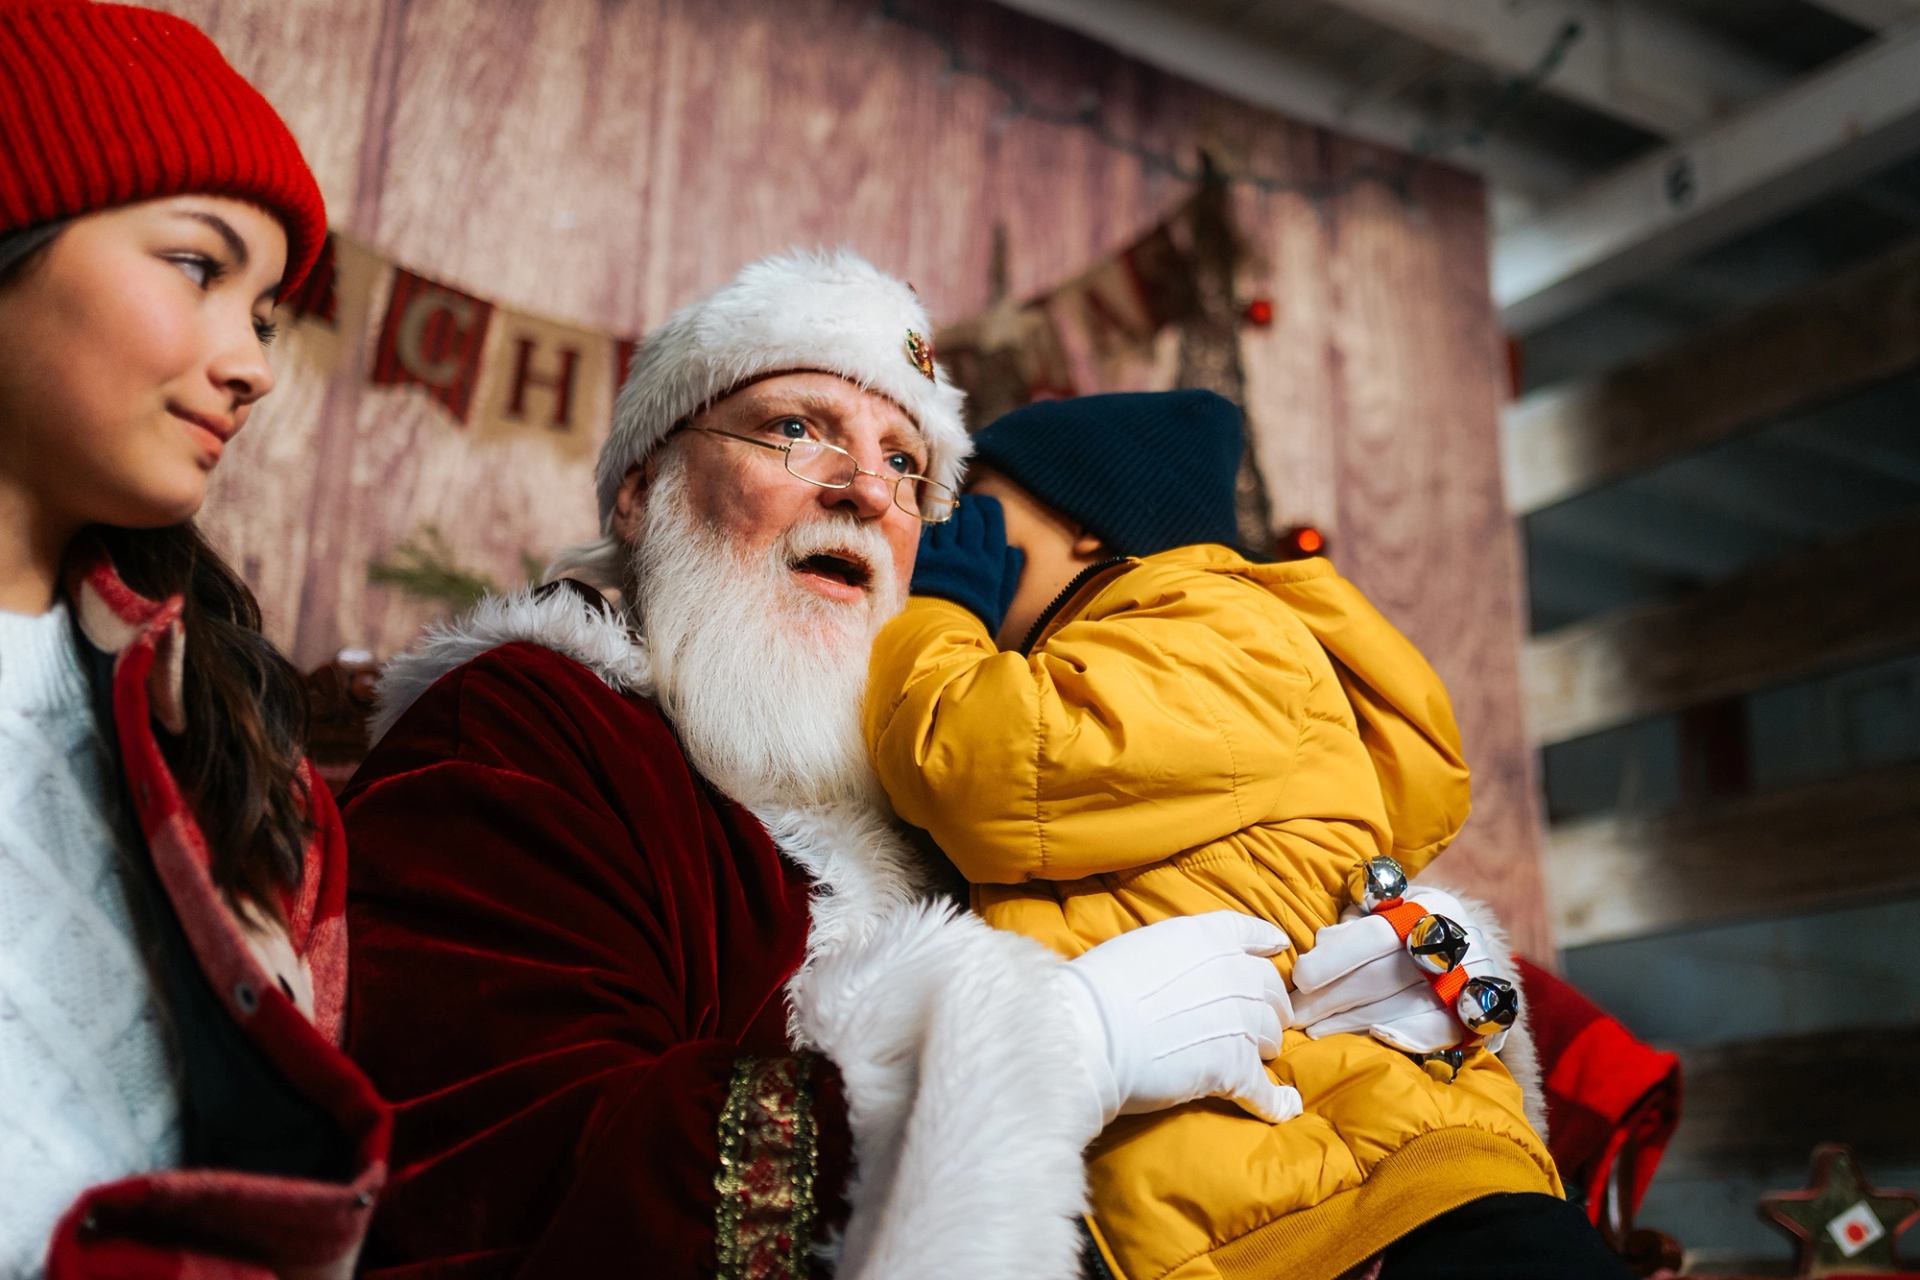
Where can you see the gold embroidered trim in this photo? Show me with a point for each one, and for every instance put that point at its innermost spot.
(769, 1150)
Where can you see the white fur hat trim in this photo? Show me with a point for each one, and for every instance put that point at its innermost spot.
(831, 312)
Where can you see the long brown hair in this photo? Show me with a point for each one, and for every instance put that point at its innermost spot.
(239, 760)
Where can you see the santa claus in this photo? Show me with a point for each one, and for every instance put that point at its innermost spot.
(653, 979)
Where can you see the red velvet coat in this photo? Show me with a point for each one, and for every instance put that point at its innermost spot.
(584, 978)
(528, 845)
(292, 1136)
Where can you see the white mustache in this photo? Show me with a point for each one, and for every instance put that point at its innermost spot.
(851, 540)
(841, 536)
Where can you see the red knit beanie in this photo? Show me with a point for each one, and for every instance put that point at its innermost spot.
(107, 104)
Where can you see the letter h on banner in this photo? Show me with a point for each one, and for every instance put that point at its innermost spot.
(559, 382)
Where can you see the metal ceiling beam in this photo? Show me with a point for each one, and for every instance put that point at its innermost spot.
(1868, 432)
(1630, 60)
(1639, 528)
(1566, 581)
(1874, 15)
(1220, 58)
(1822, 133)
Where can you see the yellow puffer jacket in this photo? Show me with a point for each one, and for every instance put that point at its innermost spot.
(1191, 732)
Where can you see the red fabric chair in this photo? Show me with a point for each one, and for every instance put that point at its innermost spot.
(1612, 1103)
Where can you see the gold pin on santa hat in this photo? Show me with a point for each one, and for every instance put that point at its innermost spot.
(920, 351)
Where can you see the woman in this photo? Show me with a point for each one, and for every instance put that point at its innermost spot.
(172, 950)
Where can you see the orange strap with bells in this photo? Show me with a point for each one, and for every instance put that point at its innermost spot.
(1403, 914)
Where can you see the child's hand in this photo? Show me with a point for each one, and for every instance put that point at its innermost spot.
(967, 560)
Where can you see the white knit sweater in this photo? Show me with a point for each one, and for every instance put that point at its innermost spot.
(90, 1084)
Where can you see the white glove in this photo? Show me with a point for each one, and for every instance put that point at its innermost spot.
(1358, 977)
(1182, 1009)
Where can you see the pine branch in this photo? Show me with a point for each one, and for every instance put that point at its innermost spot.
(424, 567)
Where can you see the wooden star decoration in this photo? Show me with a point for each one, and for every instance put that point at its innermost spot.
(1842, 1223)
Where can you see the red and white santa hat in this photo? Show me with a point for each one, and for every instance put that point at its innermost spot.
(826, 312)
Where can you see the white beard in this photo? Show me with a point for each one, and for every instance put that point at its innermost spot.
(762, 678)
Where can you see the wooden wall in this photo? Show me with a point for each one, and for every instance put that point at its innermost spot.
(602, 161)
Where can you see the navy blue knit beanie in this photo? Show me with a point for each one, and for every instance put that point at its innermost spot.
(1144, 471)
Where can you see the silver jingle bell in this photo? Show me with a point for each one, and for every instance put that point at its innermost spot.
(1376, 881)
(1488, 1005)
(1437, 944)
(1444, 1064)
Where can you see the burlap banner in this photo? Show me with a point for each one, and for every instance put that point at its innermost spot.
(496, 371)
(1078, 337)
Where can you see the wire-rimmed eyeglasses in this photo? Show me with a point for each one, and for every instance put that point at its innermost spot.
(831, 467)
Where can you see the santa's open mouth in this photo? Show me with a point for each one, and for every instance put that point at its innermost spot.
(840, 571)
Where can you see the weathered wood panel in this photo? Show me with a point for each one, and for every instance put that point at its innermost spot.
(1828, 607)
(1765, 1104)
(601, 161)
(1838, 336)
(1780, 852)
(1422, 526)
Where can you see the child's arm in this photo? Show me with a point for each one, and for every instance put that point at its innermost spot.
(1166, 716)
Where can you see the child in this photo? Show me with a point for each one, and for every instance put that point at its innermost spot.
(1167, 728)
(172, 878)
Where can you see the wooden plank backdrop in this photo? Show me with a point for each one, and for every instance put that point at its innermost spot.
(1797, 849)
(601, 161)
(1763, 1104)
(1830, 339)
(1844, 603)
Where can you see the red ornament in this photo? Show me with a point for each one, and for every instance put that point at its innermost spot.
(1259, 313)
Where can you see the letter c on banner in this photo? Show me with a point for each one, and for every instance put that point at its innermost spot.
(432, 337)
(410, 336)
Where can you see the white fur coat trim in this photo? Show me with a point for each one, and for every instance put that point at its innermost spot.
(964, 1094)
(963, 1081)
(561, 620)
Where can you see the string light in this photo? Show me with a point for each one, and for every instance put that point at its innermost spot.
(1086, 116)
(1301, 541)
